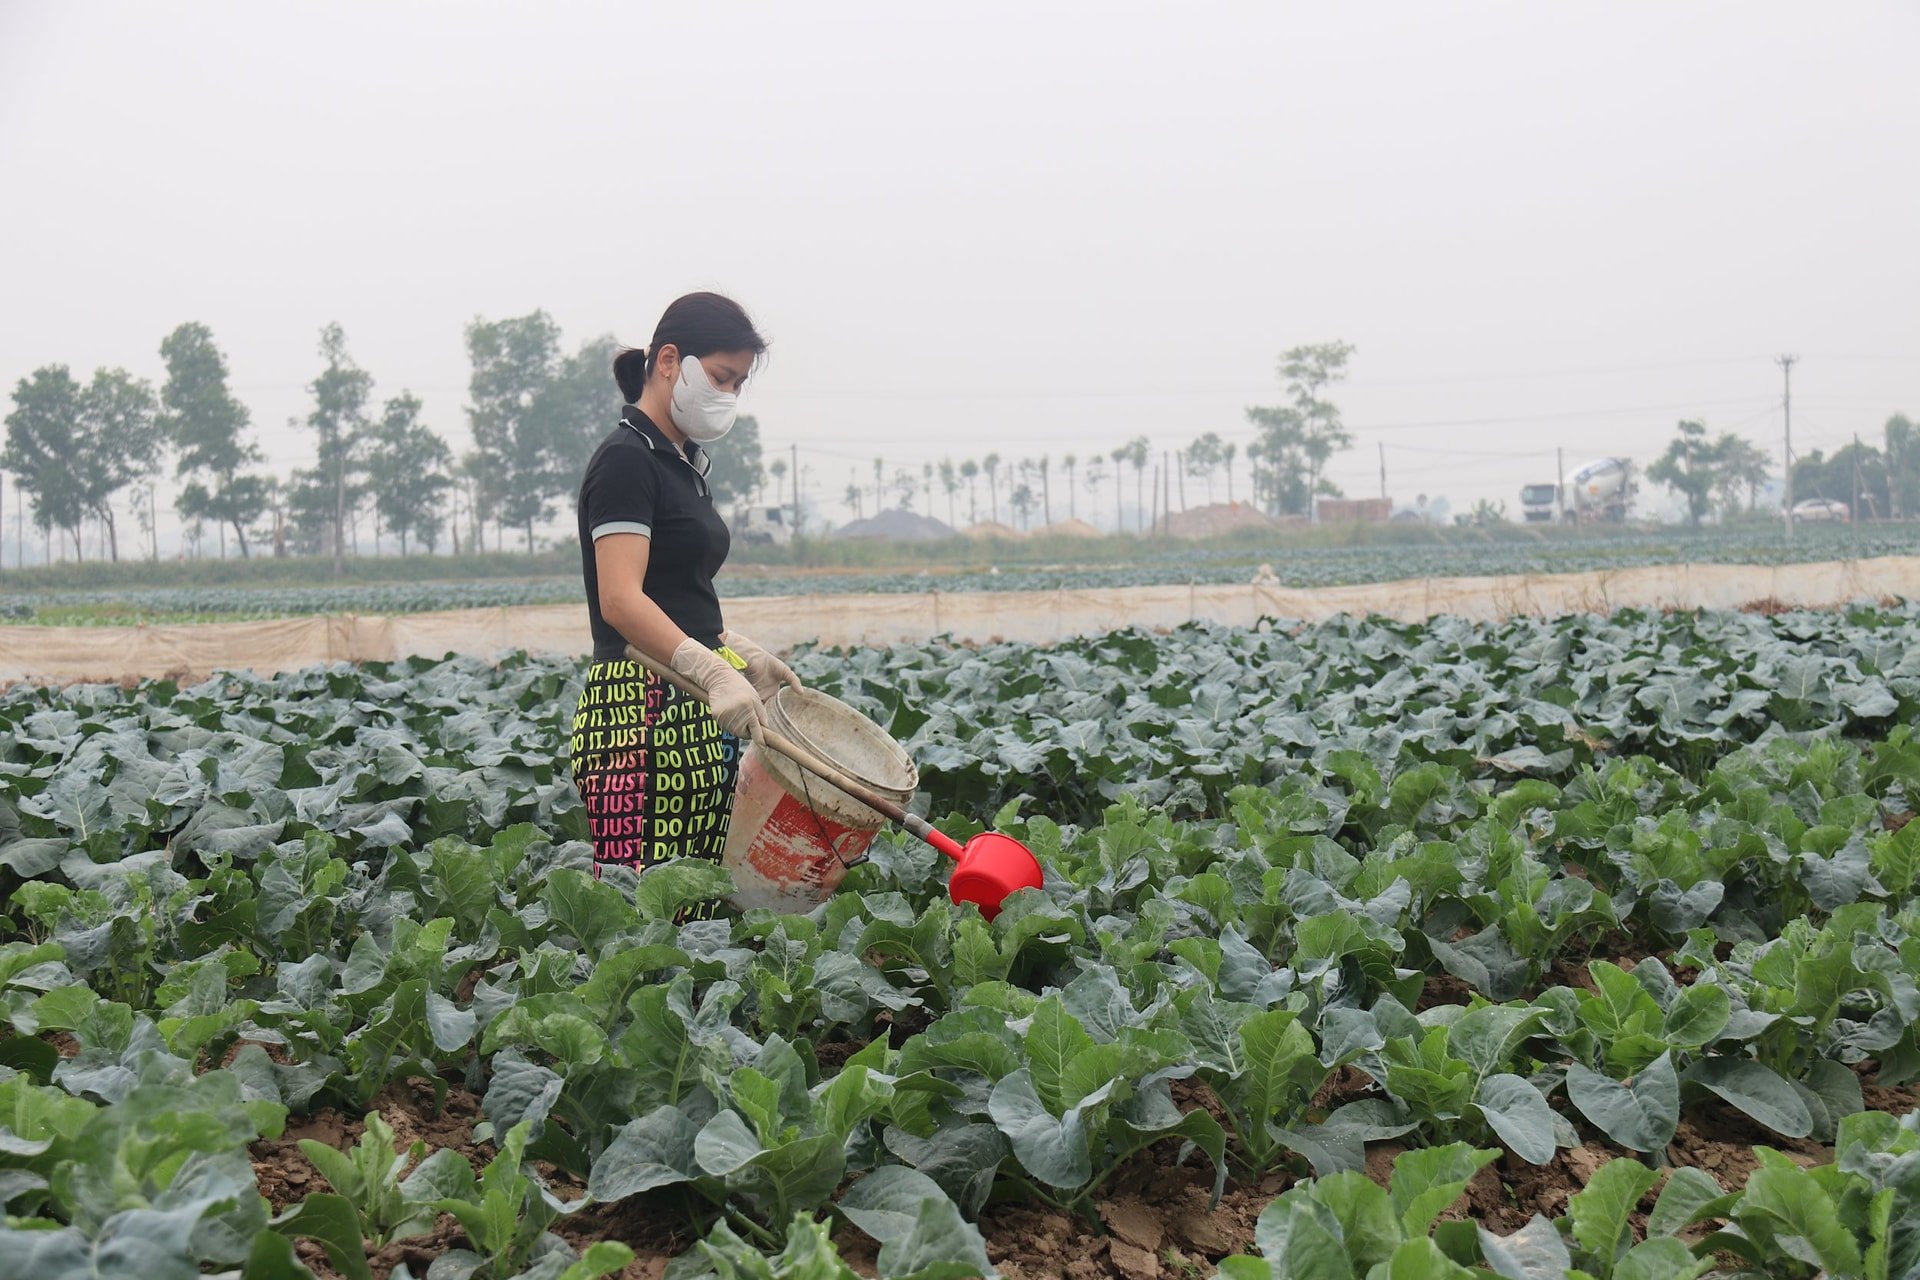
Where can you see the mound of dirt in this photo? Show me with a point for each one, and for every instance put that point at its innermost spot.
(902, 525)
(991, 529)
(1215, 519)
(1069, 529)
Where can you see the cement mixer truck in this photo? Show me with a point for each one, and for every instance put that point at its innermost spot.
(1601, 490)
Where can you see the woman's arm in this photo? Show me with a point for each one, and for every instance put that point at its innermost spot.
(620, 562)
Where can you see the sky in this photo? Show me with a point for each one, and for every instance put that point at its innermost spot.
(999, 227)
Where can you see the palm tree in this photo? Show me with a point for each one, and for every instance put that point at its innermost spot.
(970, 472)
(1067, 461)
(950, 481)
(853, 496)
(1136, 451)
(1096, 476)
(992, 464)
(1226, 460)
(778, 470)
(1046, 491)
(1023, 503)
(1119, 457)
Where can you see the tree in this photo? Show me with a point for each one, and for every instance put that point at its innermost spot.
(1046, 490)
(1203, 458)
(736, 470)
(339, 424)
(853, 496)
(1298, 439)
(1738, 464)
(310, 510)
(778, 469)
(970, 472)
(119, 443)
(1226, 461)
(903, 487)
(45, 447)
(74, 448)
(1857, 471)
(1097, 476)
(1023, 503)
(407, 471)
(1067, 464)
(511, 409)
(1687, 467)
(204, 422)
(950, 482)
(992, 465)
(1903, 468)
(1135, 451)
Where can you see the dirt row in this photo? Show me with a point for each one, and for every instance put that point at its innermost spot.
(1154, 1220)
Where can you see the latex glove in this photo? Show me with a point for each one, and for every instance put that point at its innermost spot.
(766, 672)
(735, 703)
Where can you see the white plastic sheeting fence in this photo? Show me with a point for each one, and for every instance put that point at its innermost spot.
(80, 653)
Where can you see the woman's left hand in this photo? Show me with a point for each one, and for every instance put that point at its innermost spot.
(764, 671)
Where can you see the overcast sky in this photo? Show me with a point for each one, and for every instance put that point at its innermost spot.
(1025, 228)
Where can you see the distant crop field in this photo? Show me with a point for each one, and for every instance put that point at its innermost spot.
(1292, 565)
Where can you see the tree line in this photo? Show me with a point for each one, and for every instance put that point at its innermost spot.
(93, 451)
(1724, 476)
(81, 450)
(1291, 447)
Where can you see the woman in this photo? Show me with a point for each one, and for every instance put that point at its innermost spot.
(654, 766)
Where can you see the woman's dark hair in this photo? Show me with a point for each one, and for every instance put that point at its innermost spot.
(698, 324)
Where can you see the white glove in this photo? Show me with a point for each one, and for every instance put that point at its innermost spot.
(766, 672)
(734, 702)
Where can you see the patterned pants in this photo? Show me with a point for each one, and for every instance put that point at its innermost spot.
(654, 770)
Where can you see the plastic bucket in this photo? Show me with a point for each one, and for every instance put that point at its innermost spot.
(792, 834)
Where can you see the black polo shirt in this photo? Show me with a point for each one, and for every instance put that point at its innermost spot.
(638, 482)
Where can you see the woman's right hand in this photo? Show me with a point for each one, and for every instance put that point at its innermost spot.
(735, 703)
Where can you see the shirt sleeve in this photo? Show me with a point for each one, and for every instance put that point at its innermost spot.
(621, 494)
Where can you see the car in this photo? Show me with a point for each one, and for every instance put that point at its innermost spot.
(1822, 509)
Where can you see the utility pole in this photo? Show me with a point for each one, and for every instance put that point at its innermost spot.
(1893, 487)
(1383, 468)
(1853, 512)
(1786, 364)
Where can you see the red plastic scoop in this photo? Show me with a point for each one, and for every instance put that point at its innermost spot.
(986, 869)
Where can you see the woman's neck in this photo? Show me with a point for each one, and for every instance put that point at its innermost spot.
(656, 401)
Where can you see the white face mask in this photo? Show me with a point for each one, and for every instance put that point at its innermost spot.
(702, 411)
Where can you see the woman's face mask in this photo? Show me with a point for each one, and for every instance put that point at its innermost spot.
(701, 410)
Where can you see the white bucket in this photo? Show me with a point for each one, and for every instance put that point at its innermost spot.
(793, 834)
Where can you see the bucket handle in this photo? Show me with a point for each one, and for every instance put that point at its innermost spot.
(806, 759)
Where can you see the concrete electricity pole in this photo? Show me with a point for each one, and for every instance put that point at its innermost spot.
(1786, 364)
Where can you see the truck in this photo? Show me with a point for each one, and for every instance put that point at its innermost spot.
(1538, 501)
(763, 526)
(1601, 490)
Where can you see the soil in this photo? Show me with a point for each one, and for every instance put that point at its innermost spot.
(287, 1176)
(1151, 1220)
(1443, 988)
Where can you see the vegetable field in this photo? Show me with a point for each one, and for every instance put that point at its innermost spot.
(1447, 554)
(1366, 949)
